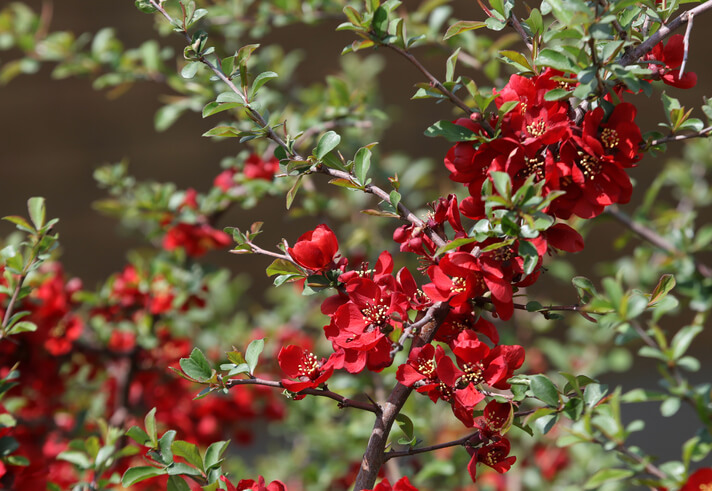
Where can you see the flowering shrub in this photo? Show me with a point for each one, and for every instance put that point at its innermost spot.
(145, 381)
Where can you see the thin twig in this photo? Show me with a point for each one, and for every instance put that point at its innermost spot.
(473, 438)
(433, 80)
(413, 328)
(686, 43)
(675, 138)
(405, 213)
(343, 401)
(647, 466)
(654, 238)
(514, 22)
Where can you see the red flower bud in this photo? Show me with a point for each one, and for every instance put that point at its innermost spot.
(315, 250)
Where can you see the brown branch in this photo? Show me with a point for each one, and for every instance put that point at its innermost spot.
(473, 439)
(256, 117)
(343, 401)
(514, 22)
(655, 239)
(374, 457)
(686, 43)
(414, 328)
(665, 30)
(703, 133)
(433, 80)
(634, 55)
(647, 466)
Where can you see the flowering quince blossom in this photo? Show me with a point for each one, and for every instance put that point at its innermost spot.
(195, 239)
(403, 484)
(700, 480)
(495, 455)
(315, 250)
(252, 485)
(299, 363)
(670, 56)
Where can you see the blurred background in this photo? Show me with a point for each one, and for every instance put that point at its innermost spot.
(54, 133)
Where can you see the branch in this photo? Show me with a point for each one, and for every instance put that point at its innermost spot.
(472, 439)
(665, 30)
(256, 117)
(647, 466)
(433, 81)
(654, 238)
(415, 327)
(514, 22)
(703, 133)
(374, 457)
(343, 401)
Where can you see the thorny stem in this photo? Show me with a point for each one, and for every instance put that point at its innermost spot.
(654, 238)
(343, 401)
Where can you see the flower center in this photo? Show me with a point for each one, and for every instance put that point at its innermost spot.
(503, 253)
(309, 365)
(610, 138)
(427, 368)
(532, 166)
(459, 285)
(473, 374)
(537, 127)
(375, 314)
(589, 165)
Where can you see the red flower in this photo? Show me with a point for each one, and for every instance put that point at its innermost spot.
(195, 239)
(256, 168)
(251, 485)
(671, 55)
(700, 480)
(551, 460)
(494, 455)
(403, 484)
(303, 365)
(225, 180)
(315, 250)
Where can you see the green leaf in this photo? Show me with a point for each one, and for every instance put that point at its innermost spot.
(543, 389)
(261, 79)
(556, 59)
(670, 406)
(252, 354)
(164, 444)
(145, 6)
(406, 426)
(216, 107)
(593, 393)
(282, 266)
(665, 284)
(607, 476)
(36, 207)
(292, 193)
(150, 423)
(23, 326)
(682, 340)
(138, 435)
(502, 183)
(517, 58)
(328, 141)
(80, 459)
(362, 162)
(138, 474)
(214, 453)
(21, 223)
(451, 131)
(462, 26)
(190, 69)
(380, 21)
(189, 452)
(176, 483)
(197, 366)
